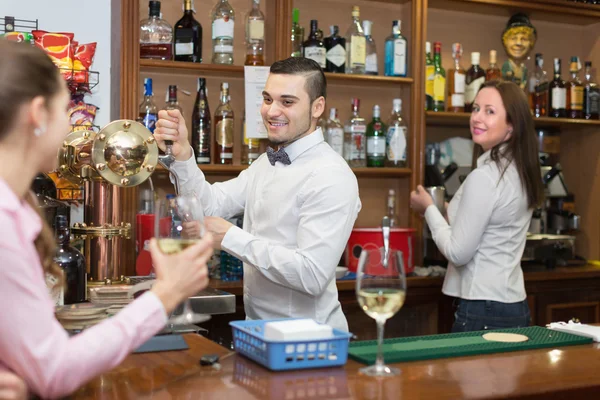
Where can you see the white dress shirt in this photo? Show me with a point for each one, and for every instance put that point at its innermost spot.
(485, 239)
(297, 221)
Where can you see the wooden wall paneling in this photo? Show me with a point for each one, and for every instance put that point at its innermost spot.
(282, 28)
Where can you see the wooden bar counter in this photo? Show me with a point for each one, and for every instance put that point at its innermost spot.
(559, 373)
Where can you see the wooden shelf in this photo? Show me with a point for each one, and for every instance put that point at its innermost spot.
(462, 119)
(546, 10)
(237, 71)
(233, 170)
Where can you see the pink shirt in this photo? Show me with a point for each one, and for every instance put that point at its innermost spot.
(32, 342)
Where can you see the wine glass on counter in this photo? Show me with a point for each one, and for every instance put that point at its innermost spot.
(179, 224)
(381, 291)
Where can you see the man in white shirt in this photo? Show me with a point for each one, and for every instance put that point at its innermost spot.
(299, 202)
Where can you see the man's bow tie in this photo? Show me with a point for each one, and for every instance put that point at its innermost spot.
(279, 155)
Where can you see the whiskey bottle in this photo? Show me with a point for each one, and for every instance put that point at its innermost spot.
(475, 78)
(255, 35)
(201, 125)
(148, 111)
(355, 149)
(188, 36)
(557, 94)
(356, 51)
(538, 88)
(591, 94)
(575, 91)
(439, 79)
(72, 263)
(429, 75)
(376, 132)
(223, 22)
(456, 82)
(396, 138)
(224, 128)
(335, 47)
(493, 72)
(314, 47)
(156, 35)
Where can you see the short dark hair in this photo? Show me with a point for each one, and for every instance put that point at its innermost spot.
(316, 84)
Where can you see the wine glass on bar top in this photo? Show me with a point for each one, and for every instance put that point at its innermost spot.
(179, 224)
(381, 291)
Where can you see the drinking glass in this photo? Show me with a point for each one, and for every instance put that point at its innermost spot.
(381, 291)
(179, 224)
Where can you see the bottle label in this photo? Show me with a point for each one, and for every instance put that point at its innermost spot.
(371, 63)
(316, 54)
(226, 155)
(559, 98)
(396, 138)
(459, 82)
(337, 55)
(256, 29)
(335, 138)
(472, 89)
(400, 57)
(358, 53)
(149, 121)
(184, 42)
(222, 28)
(222, 48)
(457, 100)
(184, 49)
(576, 98)
(355, 149)
(439, 88)
(203, 160)
(429, 77)
(592, 101)
(224, 132)
(56, 293)
(375, 146)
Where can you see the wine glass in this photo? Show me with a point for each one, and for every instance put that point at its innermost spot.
(179, 224)
(381, 291)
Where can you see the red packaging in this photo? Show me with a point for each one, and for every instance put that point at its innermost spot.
(145, 232)
(84, 56)
(58, 47)
(371, 240)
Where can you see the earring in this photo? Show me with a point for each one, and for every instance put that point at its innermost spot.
(37, 132)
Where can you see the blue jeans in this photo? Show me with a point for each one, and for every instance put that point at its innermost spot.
(479, 315)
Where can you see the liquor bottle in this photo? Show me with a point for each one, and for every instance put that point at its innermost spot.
(557, 94)
(223, 22)
(493, 72)
(72, 263)
(376, 132)
(334, 133)
(335, 56)
(456, 81)
(391, 208)
(255, 35)
(250, 146)
(356, 51)
(371, 50)
(396, 138)
(538, 88)
(355, 149)
(297, 36)
(475, 78)
(591, 94)
(201, 125)
(575, 91)
(148, 109)
(395, 52)
(224, 128)
(188, 36)
(313, 47)
(156, 35)
(172, 103)
(429, 75)
(439, 79)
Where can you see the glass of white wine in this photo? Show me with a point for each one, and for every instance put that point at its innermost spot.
(179, 224)
(381, 291)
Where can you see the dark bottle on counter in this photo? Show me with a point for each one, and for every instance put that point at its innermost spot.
(313, 47)
(148, 110)
(591, 94)
(72, 262)
(201, 125)
(557, 94)
(335, 45)
(188, 36)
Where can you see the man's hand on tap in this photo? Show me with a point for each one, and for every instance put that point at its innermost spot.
(171, 126)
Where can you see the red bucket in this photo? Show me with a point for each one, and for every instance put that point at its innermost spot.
(371, 240)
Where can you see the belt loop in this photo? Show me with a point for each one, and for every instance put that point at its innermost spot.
(488, 305)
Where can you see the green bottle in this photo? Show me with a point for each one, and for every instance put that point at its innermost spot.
(439, 79)
(429, 75)
(376, 138)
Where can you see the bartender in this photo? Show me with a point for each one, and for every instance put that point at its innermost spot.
(299, 200)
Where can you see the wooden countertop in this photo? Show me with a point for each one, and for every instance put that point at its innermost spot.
(588, 271)
(533, 374)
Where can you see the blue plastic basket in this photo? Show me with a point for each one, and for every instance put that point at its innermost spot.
(248, 339)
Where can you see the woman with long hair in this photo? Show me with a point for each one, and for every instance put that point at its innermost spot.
(489, 215)
(33, 124)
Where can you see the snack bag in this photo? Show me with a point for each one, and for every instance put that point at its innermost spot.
(18, 36)
(84, 54)
(58, 47)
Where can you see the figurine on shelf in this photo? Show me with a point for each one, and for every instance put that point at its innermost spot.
(518, 39)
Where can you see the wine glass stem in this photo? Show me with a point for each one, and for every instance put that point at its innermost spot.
(380, 325)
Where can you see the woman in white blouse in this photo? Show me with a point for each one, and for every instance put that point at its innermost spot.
(488, 217)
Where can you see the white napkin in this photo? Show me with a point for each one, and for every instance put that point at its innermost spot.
(577, 328)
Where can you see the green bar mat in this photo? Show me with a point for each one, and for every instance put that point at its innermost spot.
(459, 344)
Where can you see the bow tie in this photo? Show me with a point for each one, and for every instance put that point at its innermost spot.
(279, 155)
